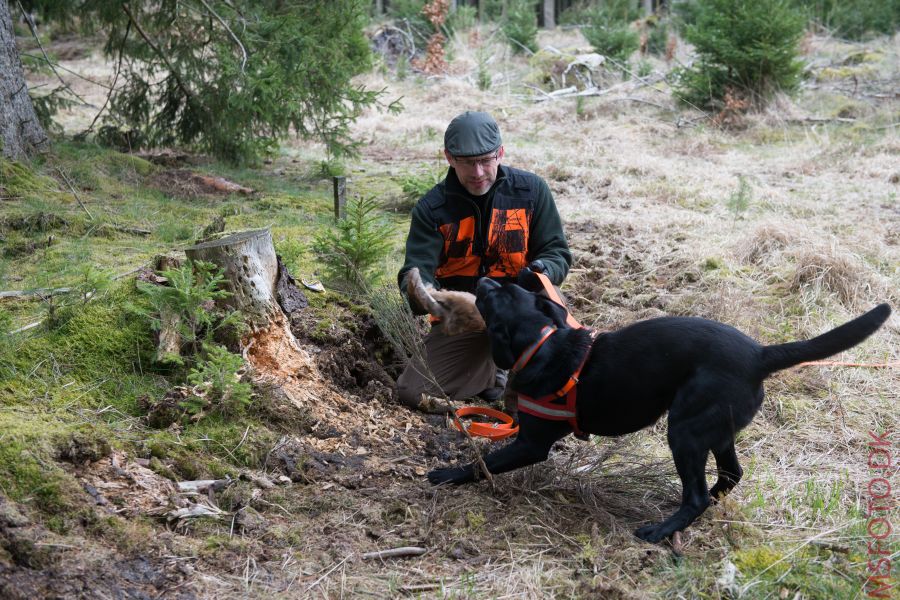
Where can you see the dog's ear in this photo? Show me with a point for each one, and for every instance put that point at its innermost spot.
(500, 346)
(553, 310)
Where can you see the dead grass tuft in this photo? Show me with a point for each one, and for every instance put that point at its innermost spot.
(828, 270)
(764, 245)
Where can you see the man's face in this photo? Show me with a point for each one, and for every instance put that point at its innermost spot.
(476, 173)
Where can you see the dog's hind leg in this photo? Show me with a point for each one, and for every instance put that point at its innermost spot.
(729, 470)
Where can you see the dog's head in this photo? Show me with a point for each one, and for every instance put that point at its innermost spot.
(514, 318)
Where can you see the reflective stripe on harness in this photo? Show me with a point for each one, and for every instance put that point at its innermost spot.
(548, 407)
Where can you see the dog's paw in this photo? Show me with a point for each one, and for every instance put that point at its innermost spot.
(447, 475)
(652, 533)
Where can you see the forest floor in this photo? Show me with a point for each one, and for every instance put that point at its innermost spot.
(784, 225)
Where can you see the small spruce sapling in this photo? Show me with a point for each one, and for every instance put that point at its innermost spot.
(739, 200)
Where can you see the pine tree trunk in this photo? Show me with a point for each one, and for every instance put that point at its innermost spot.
(549, 14)
(20, 132)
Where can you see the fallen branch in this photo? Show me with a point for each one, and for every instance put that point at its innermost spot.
(74, 193)
(127, 229)
(821, 120)
(197, 510)
(41, 293)
(202, 485)
(395, 553)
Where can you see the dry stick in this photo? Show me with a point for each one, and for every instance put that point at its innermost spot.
(475, 448)
(231, 33)
(410, 345)
(395, 552)
(160, 54)
(42, 292)
(74, 193)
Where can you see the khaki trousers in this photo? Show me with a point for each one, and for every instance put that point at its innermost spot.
(460, 366)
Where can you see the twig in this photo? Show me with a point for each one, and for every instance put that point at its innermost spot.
(522, 46)
(41, 292)
(160, 54)
(115, 80)
(70, 71)
(127, 229)
(27, 327)
(821, 120)
(330, 571)
(246, 431)
(46, 58)
(231, 33)
(395, 553)
(478, 458)
(74, 193)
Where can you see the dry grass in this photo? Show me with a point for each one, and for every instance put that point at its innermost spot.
(644, 202)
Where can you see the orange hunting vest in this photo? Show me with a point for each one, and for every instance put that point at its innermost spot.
(472, 248)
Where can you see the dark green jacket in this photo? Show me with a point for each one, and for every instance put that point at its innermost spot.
(520, 224)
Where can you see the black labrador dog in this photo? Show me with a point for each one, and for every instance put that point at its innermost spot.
(707, 375)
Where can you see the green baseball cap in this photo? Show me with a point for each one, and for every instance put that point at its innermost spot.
(472, 134)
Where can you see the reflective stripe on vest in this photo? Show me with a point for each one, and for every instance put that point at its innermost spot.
(544, 411)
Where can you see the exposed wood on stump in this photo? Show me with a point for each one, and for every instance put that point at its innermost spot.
(251, 271)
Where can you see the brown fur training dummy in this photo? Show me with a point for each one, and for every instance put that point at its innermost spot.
(456, 310)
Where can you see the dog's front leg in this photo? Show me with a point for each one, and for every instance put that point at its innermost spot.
(536, 437)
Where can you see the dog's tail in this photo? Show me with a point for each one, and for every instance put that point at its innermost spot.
(782, 356)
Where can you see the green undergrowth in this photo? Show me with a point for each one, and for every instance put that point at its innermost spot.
(89, 205)
(78, 386)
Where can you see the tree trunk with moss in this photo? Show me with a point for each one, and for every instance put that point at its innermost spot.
(21, 133)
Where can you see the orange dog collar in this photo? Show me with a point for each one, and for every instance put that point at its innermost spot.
(493, 431)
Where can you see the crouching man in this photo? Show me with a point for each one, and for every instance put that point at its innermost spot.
(483, 220)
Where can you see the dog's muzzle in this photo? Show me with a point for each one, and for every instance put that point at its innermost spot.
(485, 285)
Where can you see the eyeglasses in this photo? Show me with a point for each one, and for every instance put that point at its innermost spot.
(471, 163)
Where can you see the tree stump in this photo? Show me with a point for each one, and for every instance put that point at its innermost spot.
(251, 271)
(250, 266)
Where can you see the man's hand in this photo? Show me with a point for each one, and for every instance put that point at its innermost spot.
(528, 278)
(537, 266)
